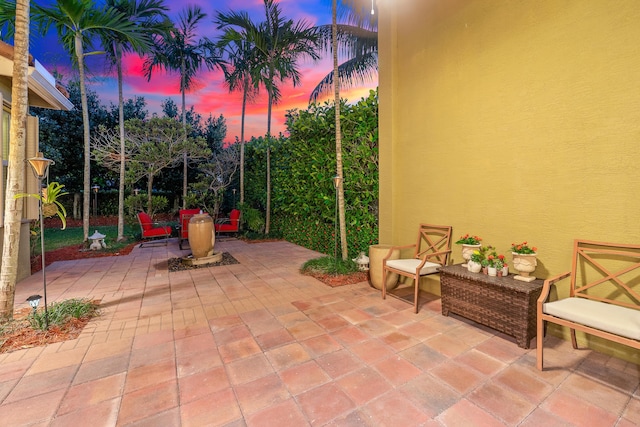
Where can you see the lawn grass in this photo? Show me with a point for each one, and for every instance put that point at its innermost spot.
(55, 238)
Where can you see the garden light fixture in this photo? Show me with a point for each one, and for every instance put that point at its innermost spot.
(40, 167)
(33, 301)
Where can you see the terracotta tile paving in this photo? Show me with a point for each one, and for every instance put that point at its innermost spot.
(258, 344)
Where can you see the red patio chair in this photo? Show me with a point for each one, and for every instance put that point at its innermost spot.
(185, 217)
(151, 230)
(229, 225)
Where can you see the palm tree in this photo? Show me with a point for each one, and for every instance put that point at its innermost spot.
(15, 178)
(180, 50)
(77, 23)
(336, 100)
(150, 17)
(278, 43)
(237, 49)
(358, 37)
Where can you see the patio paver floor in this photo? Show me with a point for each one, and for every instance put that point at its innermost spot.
(257, 343)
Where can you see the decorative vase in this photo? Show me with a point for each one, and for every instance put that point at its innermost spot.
(467, 251)
(492, 271)
(376, 255)
(505, 271)
(474, 267)
(524, 264)
(201, 235)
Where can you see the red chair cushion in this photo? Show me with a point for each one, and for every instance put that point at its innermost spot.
(232, 225)
(164, 230)
(145, 221)
(148, 230)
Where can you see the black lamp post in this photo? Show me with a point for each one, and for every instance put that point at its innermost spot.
(336, 184)
(95, 189)
(40, 167)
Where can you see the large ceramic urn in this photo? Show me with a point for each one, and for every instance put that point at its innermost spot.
(376, 254)
(201, 235)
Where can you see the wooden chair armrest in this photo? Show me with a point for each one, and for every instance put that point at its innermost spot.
(546, 288)
(431, 255)
(394, 248)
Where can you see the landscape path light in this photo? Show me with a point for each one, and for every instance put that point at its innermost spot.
(40, 167)
(34, 301)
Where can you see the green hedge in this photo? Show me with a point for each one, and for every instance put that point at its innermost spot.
(303, 165)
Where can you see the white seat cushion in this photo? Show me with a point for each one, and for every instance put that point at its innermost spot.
(410, 265)
(612, 318)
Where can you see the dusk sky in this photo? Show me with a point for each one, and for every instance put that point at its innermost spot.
(210, 95)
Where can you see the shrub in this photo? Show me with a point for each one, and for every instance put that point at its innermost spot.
(59, 313)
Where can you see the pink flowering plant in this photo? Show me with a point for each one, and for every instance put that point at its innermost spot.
(467, 239)
(523, 248)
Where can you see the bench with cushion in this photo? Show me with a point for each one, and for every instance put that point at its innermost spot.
(604, 295)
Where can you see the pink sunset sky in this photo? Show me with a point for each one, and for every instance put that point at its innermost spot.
(210, 95)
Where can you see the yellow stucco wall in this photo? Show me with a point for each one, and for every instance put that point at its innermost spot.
(513, 120)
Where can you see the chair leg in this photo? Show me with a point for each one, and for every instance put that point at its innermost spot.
(417, 292)
(384, 282)
(539, 344)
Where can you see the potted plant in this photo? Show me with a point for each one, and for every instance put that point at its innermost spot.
(49, 199)
(499, 265)
(469, 244)
(524, 260)
(475, 261)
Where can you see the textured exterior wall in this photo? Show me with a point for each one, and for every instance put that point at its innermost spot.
(513, 120)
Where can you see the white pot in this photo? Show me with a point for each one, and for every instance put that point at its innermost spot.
(493, 271)
(474, 267)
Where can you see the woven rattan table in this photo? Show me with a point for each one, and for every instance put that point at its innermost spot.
(501, 303)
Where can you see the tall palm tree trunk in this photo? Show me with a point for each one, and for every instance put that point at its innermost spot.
(87, 139)
(184, 128)
(15, 178)
(244, 108)
(339, 172)
(268, 213)
(122, 147)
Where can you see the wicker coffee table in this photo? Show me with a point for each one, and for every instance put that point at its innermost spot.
(501, 303)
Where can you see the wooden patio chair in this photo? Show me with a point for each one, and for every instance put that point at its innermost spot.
(151, 230)
(430, 253)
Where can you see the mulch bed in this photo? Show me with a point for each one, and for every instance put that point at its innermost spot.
(20, 335)
(176, 264)
(75, 252)
(335, 280)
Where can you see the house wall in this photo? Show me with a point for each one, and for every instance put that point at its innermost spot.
(514, 120)
(30, 205)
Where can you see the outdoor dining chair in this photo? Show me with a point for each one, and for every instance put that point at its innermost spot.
(430, 253)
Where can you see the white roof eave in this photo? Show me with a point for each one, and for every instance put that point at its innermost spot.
(43, 84)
